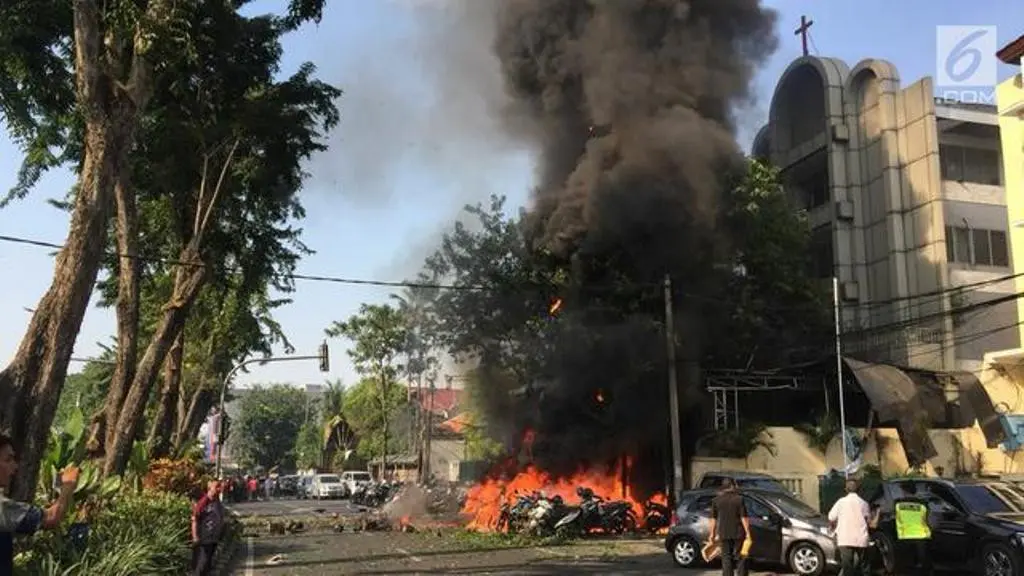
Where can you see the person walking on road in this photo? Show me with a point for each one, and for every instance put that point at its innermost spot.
(730, 528)
(913, 532)
(850, 517)
(207, 529)
(26, 519)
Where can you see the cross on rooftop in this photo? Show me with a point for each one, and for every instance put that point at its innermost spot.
(805, 26)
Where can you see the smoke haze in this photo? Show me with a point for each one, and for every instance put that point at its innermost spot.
(630, 106)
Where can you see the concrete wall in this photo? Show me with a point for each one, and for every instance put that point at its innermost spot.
(1010, 95)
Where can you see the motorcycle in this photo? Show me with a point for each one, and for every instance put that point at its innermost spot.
(656, 516)
(594, 513)
(545, 515)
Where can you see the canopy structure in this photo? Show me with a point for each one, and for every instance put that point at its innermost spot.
(917, 400)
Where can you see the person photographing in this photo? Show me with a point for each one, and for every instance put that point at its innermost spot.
(207, 528)
(23, 518)
(730, 528)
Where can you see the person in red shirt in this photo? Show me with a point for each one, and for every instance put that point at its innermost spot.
(208, 517)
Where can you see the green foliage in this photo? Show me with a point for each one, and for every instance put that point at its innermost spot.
(741, 442)
(133, 535)
(366, 411)
(770, 310)
(820, 433)
(267, 425)
(308, 451)
(85, 390)
(379, 335)
(481, 442)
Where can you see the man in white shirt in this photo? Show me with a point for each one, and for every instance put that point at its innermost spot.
(850, 517)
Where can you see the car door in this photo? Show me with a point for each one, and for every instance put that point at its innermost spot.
(766, 528)
(950, 545)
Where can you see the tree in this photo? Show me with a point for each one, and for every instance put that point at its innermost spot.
(308, 452)
(225, 153)
(370, 414)
(84, 391)
(379, 335)
(78, 79)
(267, 426)
(337, 437)
(416, 305)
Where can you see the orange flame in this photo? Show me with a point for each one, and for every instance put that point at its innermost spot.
(484, 500)
(556, 305)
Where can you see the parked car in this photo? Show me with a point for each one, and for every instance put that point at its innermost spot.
(785, 531)
(326, 486)
(977, 525)
(355, 479)
(743, 479)
(287, 485)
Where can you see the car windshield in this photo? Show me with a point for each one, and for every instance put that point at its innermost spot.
(790, 507)
(763, 484)
(991, 498)
(361, 476)
(329, 480)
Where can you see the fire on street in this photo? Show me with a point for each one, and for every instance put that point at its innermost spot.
(380, 553)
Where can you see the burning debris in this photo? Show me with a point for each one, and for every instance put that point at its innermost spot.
(536, 503)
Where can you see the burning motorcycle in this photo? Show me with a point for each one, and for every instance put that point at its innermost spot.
(514, 517)
(545, 514)
(657, 516)
(594, 513)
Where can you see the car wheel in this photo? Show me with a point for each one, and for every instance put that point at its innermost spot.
(998, 560)
(686, 552)
(886, 553)
(806, 559)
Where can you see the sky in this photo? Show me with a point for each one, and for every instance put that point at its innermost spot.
(418, 140)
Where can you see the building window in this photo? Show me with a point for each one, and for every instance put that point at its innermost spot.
(977, 247)
(965, 164)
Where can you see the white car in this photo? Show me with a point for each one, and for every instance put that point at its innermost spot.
(353, 479)
(326, 486)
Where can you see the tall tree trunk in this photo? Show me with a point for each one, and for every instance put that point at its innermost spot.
(128, 288)
(188, 282)
(198, 409)
(159, 441)
(31, 384)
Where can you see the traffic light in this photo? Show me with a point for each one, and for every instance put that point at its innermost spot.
(325, 358)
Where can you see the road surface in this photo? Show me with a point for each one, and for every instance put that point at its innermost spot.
(293, 507)
(426, 552)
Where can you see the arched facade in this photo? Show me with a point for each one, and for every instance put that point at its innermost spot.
(840, 138)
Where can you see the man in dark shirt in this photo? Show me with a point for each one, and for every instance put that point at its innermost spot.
(22, 518)
(207, 527)
(730, 526)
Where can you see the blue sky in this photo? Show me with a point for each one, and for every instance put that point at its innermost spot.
(416, 142)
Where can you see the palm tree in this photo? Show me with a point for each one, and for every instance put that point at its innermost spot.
(337, 434)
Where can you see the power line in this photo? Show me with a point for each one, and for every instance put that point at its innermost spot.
(936, 294)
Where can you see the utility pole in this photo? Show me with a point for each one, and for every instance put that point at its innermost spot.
(839, 373)
(673, 395)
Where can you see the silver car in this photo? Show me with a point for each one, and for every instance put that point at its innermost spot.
(785, 532)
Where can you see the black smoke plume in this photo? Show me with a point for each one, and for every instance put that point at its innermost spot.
(629, 104)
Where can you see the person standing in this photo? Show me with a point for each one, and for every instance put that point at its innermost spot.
(26, 519)
(850, 517)
(207, 528)
(913, 533)
(730, 527)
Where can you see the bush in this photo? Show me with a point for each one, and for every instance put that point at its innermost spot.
(135, 535)
(187, 477)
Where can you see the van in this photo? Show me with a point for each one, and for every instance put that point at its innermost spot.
(353, 479)
(327, 486)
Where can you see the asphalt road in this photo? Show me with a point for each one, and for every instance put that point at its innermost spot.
(293, 507)
(379, 553)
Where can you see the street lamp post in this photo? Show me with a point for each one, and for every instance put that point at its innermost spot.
(323, 356)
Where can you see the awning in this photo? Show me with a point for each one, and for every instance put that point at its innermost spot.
(894, 398)
(915, 401)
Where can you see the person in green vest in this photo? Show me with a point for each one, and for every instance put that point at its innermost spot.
(913, 531)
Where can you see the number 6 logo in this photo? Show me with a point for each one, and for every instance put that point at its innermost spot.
(965, 56)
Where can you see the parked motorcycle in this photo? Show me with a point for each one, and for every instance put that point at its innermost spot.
(594, 513)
